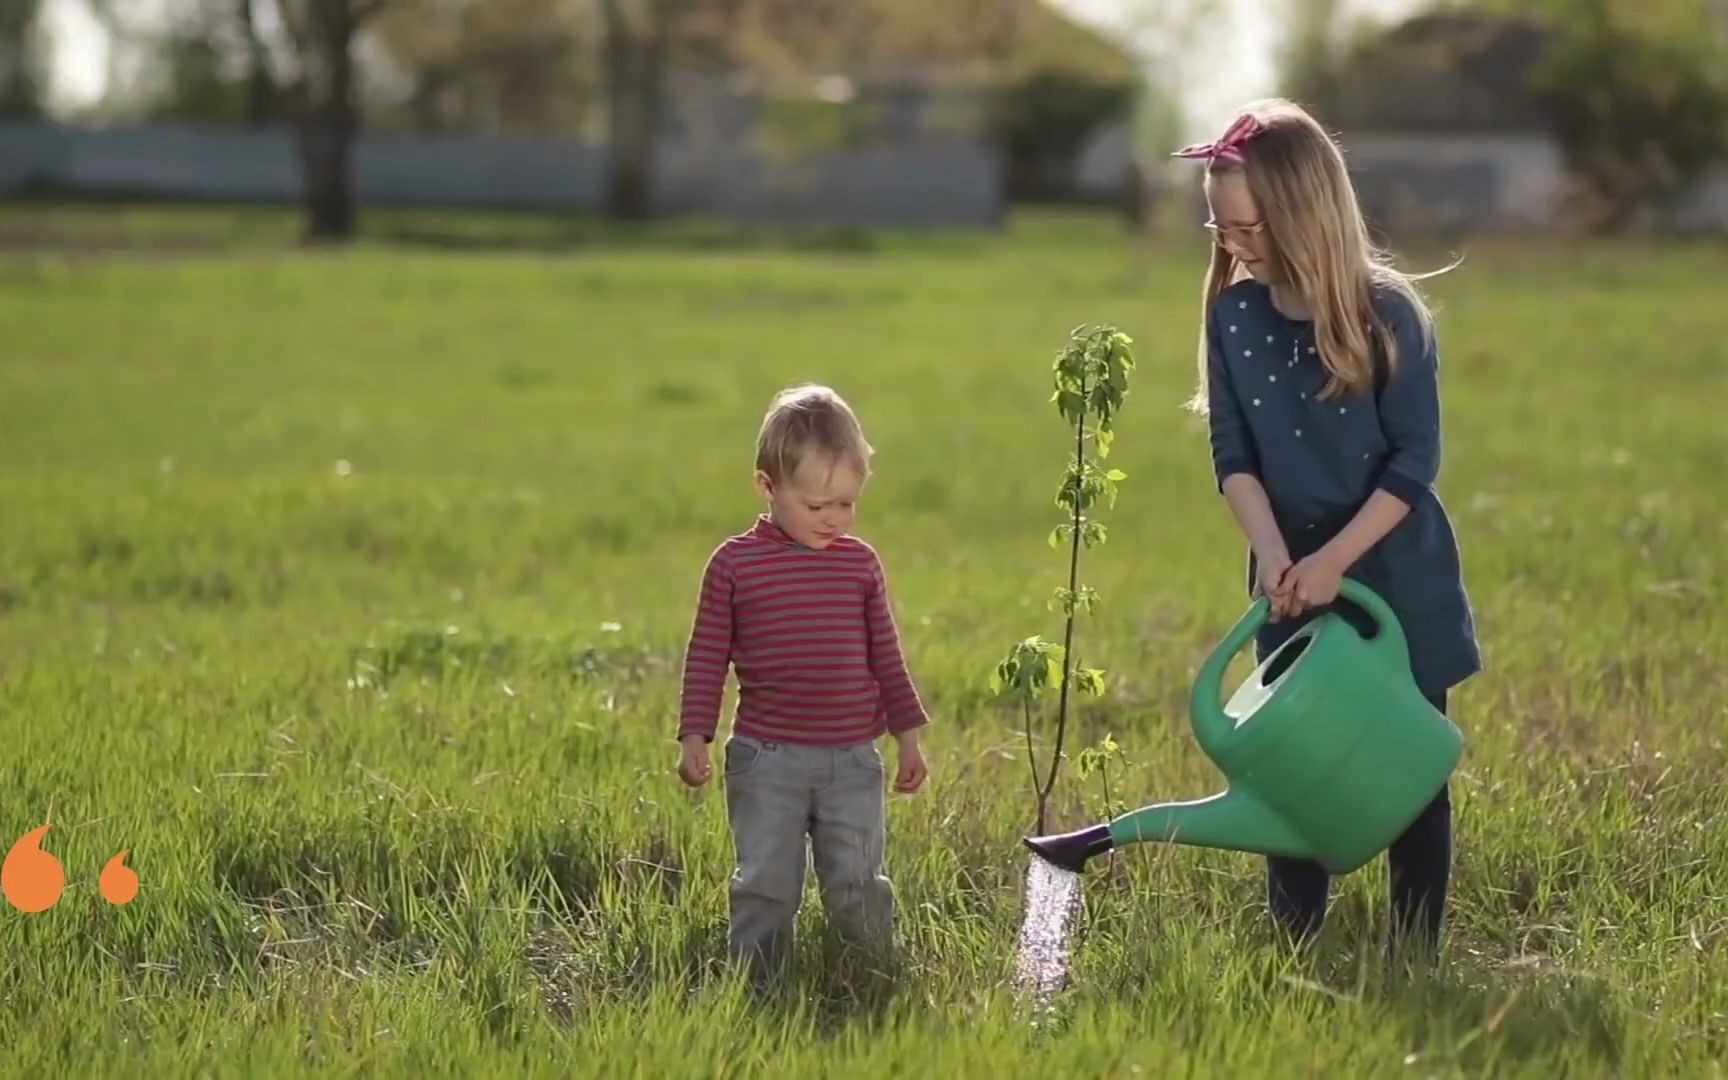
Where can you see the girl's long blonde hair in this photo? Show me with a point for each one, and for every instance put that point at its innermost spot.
(1297, 176)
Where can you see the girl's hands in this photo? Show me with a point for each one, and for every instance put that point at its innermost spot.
(1314, 582)
(1272, 583)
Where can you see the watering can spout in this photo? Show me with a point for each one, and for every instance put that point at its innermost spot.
(1071, 850)
(1233, 820)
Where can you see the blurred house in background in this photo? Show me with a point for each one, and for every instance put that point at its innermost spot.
(1443, 129)
(1447, 129)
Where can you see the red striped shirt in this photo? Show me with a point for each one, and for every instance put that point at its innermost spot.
(810, 636)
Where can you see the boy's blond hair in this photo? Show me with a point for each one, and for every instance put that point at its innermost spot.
(808, 420)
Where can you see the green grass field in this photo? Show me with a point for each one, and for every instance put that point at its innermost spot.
(348, 591)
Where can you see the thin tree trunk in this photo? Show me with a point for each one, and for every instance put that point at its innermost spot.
(260, 87)
(1073, 593)
(328, 122)
(20, 69)
(635, 91)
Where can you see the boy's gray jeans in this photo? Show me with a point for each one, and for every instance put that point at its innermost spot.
(777, 794)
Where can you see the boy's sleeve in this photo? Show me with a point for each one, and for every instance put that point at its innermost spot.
(1232, 442)
(708, 654)
(900, 701)
(1410, 412)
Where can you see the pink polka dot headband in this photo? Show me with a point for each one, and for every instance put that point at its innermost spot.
(1229, 146)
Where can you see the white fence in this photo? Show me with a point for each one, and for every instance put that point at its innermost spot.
(1415, 183)
(929, 182)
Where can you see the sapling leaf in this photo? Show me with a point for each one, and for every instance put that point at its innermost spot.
(1070, 404)
(1090, 681)
(1108, 483)
(1053, 675)
(1102, 399)
(1072, 600)
(1118, 373)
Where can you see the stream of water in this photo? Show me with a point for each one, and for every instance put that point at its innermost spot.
(1052, 897)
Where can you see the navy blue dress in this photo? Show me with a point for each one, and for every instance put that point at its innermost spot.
(1319, 461)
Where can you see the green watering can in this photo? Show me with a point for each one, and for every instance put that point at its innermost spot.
(1329, 748)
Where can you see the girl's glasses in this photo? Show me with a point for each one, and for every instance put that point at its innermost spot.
(1238, 233)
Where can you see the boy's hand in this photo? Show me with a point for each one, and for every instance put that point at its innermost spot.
(912, 772)
(693, 766)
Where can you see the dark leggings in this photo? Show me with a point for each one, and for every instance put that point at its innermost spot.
(1419, 862)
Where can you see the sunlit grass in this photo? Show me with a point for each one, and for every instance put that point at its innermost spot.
(348, 592)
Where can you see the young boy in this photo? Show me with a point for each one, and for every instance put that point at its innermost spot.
(799, 610)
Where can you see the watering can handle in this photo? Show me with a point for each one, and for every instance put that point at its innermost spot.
(1205, 709)
(1391, 635)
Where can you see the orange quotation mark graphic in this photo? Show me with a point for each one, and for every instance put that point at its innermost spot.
(32, 879)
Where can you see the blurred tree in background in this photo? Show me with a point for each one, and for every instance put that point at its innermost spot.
(208, 61)
(1041, 81)
(22, 74)
(1634, 91)
(320, 84)
(1060, 81)
(1638, 90)
(1318, 42)
(509, 66)
(260, 61)
(639, 40)
(1017, 72)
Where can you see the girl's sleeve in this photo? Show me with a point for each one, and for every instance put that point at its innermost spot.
(1410, 412)
(1232, 442)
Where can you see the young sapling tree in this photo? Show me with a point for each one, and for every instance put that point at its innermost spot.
(1091, 382)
